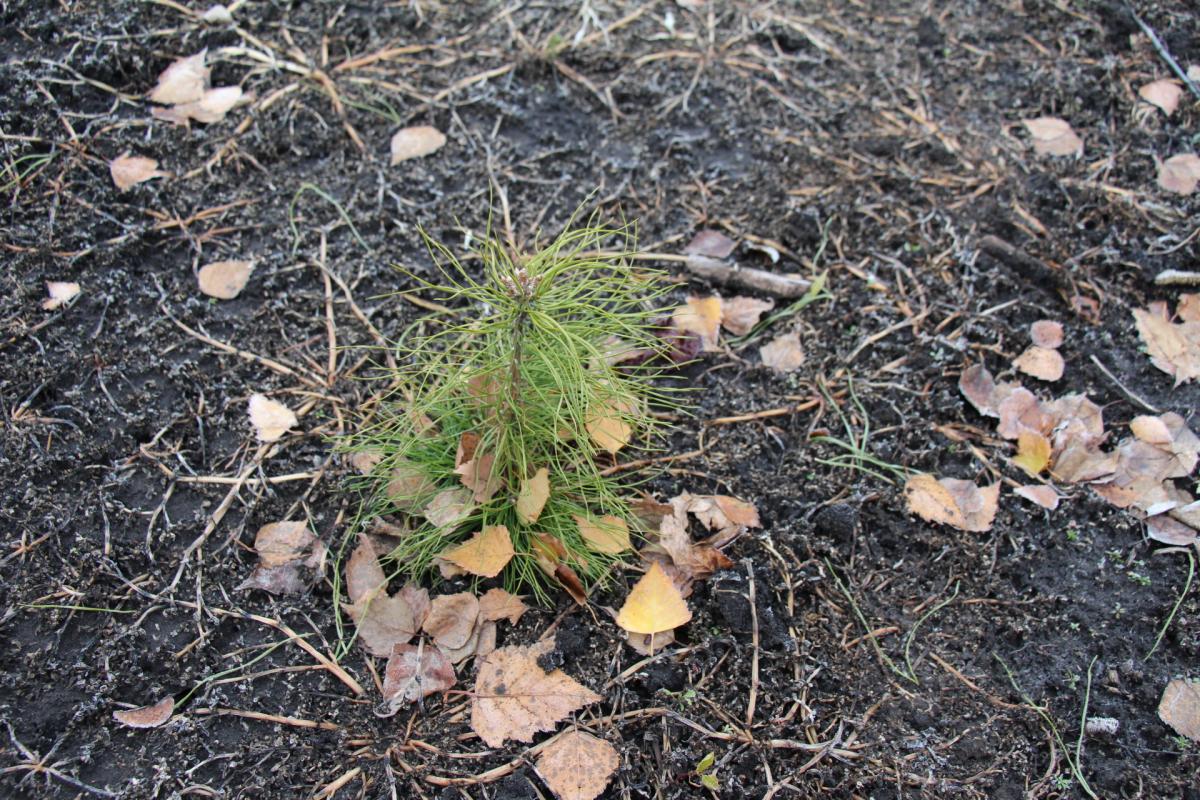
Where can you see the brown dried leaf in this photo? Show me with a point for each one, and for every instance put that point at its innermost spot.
(383, 621)
(577, 766)
(1080, 462)
(363, 461)
(1044, 496)
(1173, 348)
(957, 503)
(708, 242)
(1053, 136)
(701, 316)
(728, 516)
(1041, 363)
(694, 561)
(608, 534)
(452, 618)
(417, 599)
(739, 315)
(147, 716)
(515, 698)
(1180, 708)
(1188, 308)
(783, 353)
(474, 469)
(416, 142)
(211, 107)
(458, 655)
(1046, 333)
(413, 672)
(485, 554)
(979, 388)
(277, 543)
(1162, 528)
(449, 507)
(1033, 453)
(1180, 173)
(498, 604)
(408, 486)
(1077, 420)
(225, 280)
(654, 604)
(1021, 412)
(128, 171)
(1162, 93)
(532, 498)
(59, 293)
(184, 81)
(271, 419)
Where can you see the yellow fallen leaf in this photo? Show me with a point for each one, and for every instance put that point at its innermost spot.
(485, 554)
(608, 534)
(607, 427)
(654, 604)
(1033, 452)
(701, 316)
(532, 498)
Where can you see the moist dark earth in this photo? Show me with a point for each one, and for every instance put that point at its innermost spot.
(875, 142)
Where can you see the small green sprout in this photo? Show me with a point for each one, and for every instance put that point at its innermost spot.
(704, 771)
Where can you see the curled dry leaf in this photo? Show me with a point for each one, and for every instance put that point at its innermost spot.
(608, 534)
(413, 672)
(498, 604)
(728, 516)
(532, 499)
(694, 561)
(225, 280)
(1044, 496)
(59, 293)
(147, 716)
(449, 507)
(739, 315)
(474, 468)
(1046, 333)
(128, 171)
(708, 242)
(485, 554)
(515, 698)
(1162, 528)
(957, 503)
(1041, 363)
(184, 81)
(654, 604)
(701, 316)
(415, 142)
(1053, 137)
(451, 619)
(1180, 173)
(271, 419)
(1173, 348)
(1180, 708)
(783, 353)
(1163, 93)
(577, 765)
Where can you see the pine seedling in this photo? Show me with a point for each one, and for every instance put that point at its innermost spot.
(507, 414)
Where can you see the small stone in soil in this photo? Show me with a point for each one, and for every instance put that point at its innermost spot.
(838, 521)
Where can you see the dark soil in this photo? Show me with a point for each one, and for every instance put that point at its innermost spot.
(878, 141)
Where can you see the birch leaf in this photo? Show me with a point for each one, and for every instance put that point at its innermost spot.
(532, 499)
(184, 81)
(416, 142)
(577, 766)
(271, 420)
(485, 554)
(654, 604)
(225, 280)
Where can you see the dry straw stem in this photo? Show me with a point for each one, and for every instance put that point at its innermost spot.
(518, 380)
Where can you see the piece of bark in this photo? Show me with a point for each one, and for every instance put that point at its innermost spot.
(1020, 262)
(756, 279)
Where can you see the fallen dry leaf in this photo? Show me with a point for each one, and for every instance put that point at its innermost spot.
(978, 386)
(532, 498)
(694, 561)
(408, 486)
(225, 280)
(485, 554)
(383, 621)
(1044, 496)
(474, 469)
(1033, 453)
(515, 698)
(654, 604)
(147, 716)
(577, 765)
(648, 644)
(271, 419)
(277, 543)
(452, 619)
(415, 142)
(739, 315)
(1046, 333)
(728, 516)
(1188, 309)
(608, 534)
(708, 242)
(59, 293)
(957, 503)
(701, 316)
(128, 171)
(498, 604)
(1041, 363)
(1180, 173)
(1162, 93)
(449, 507)
(1022, 412)
(607, 428)
(211, 107)
(783, 353)
(1180, 708)
(1173, 348)
(184, 81)
(1053, 137)
(1162, 528)
(413, 672)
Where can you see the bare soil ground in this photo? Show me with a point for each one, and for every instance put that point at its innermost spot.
(879, 141)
